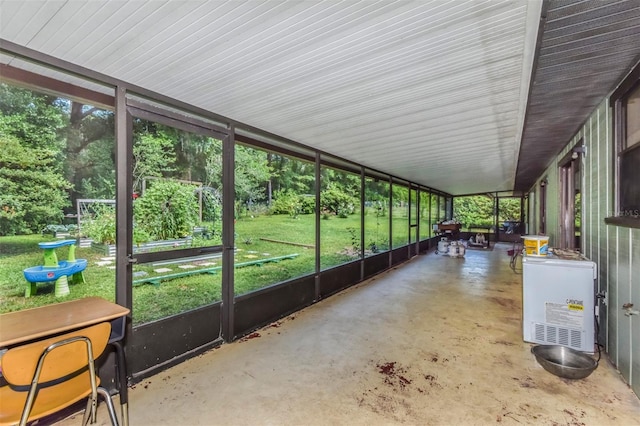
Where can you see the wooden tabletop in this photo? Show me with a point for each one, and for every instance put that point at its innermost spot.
(30, 324)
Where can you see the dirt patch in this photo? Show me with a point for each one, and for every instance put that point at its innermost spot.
(350, 252)
(387, 369)
(503, 342)
(576, 416)
(504, 302)
(397, 385)
(396, 409)
(250, 336)
(432, 381)
(394, 376)
(507, 414)
(526, 382)
(437, 358)
(390, 400)
(520, 414)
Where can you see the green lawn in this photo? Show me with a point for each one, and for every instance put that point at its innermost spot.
(22, 251)
(152, 302)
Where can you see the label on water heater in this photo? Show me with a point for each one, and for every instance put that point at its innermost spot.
(568, 315)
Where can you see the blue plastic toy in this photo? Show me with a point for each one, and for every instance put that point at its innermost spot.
(52, 270)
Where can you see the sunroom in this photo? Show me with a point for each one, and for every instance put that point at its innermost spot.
(222, 165)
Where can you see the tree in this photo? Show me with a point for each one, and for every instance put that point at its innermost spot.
(153, 156)
(400, 194)
(33, 189)
(164, 151)
(335, 200)
(292, 173)
(474, 210)
(33, 119)
(340, 192)
(31, 164)
(509, 209)
(89, 150)
(348, 182)
(251, 173)
(80, 135)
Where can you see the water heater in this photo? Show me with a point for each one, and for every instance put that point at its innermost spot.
(558, 302)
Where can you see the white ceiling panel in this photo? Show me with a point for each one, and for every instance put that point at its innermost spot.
(431, 91)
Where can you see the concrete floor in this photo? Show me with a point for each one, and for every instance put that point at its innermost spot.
(436, 341)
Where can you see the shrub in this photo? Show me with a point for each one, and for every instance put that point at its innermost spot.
(59, 229)
(307, 204)
(167, 210)
(338, 202)
(101, 228)
(257, 209)
(286, 202)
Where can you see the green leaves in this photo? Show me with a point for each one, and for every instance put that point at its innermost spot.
(336, 200)
(153, 155)
(102, 227)
(251, 173)
(167, 210)
(32, 118)
(33, 190)
(288, 202)
(478, 210)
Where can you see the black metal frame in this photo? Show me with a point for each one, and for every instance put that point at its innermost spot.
(157, 345)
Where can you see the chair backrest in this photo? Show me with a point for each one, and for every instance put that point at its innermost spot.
(19, 364)
(53, 361)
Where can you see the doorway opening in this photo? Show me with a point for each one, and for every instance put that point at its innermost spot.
(571, 201)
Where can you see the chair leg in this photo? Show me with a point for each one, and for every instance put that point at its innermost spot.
(123, 390)
(112, 411)
(87, 412)
(94, 408)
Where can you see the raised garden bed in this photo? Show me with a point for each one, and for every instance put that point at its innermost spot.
(110, 249)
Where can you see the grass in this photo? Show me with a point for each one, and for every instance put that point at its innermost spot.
(151, 302)
(20, 252)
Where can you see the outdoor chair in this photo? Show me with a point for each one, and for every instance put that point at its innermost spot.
(49, 375)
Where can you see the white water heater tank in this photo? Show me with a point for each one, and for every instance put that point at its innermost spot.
(558, 301)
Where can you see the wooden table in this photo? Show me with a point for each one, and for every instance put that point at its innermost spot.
(31, 324)
(37, 323)
(451, 230)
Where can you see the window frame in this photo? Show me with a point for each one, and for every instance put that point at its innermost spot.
(618, 101)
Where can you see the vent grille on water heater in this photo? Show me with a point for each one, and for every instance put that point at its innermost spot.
(563, 336)
(576, 339)
(550, 334)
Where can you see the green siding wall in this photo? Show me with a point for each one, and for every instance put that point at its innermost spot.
(616, 250)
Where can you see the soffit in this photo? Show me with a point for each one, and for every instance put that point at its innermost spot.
(587, 47)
